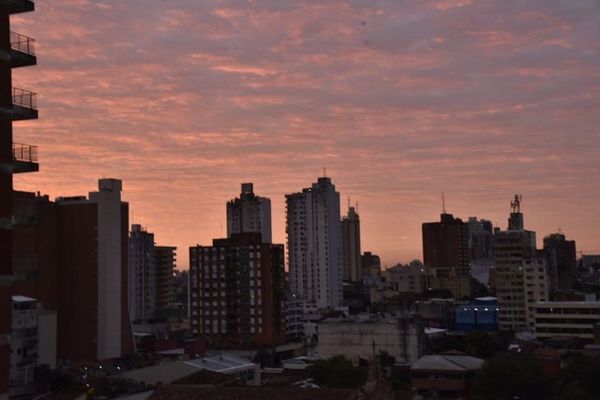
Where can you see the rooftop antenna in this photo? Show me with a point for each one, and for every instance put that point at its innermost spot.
(443, 203)
(324, 172)
(348, 202)
(515, 205)
(356, 206)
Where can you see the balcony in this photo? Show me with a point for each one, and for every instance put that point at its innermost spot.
(24, 105)
(18, 6)
(25, 158)
(22, 50)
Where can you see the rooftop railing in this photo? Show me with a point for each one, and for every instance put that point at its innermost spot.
(24, 98)
(25, 152)
(22, 43)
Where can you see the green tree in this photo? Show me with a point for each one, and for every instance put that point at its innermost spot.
(511, 376)
(338, 372)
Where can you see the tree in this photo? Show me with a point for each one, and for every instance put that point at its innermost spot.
(512, 376)
(579, 377)
(338, 372)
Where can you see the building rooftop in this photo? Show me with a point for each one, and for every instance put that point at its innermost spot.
(170, 372)
(447, 362)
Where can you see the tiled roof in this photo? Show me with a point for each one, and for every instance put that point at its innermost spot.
(445, 362)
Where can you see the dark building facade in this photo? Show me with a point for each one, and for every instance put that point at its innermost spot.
(77, 243)
(237, 292)
(562, 261)
(446, 254)
(166, 259)
(351, 257)
(16, 50)
(249, 213)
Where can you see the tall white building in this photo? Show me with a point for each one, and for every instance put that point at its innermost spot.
(521, 273)
(249, 214)
(142, 274)
(314, 244)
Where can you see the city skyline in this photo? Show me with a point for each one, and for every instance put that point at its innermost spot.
(374, 93)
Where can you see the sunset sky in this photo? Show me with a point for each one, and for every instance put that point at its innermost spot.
(399, 100)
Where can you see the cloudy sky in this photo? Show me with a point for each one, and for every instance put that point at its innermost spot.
(399, 100)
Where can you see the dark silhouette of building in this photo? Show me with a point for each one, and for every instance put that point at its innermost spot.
(446, 254)
(237, 292)
(370, 264)
(249, 213)
(166, 259)
(16, 51)
(562, 261)
(351, 258)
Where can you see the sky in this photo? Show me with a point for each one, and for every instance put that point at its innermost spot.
(399, 100)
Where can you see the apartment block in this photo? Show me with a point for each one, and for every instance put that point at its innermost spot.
(237, 292)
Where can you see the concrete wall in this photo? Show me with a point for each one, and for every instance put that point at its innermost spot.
(402, 338)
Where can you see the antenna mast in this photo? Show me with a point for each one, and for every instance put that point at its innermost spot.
(443, 203)
(515, 205)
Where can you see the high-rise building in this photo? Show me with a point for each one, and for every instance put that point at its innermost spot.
(166, 259)
(237, 292)
(520, 273)
(142, 274)
(562, 258)
(314, 244)
(446, 254)
(351, 256)
(16, 50)
(93, 265)
(249, 213)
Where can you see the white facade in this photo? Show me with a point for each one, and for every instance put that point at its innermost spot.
(249, 213)
(314, 244)
(110, 259)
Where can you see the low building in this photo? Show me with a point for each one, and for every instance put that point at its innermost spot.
(402, 338)
(566, 319)
(481, 315)
(170, 372)
(24, 346)
(444, 375)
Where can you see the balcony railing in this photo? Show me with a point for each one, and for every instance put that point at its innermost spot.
(25, 152)
(22, 43)
(24, 98)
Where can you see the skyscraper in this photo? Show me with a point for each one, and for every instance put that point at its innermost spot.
(446, 253)
(16, 50)
(520, 273)
(142, 274)
(351, 259)
(249, 213)
(165, 258)
(237, 292)
(314, 244)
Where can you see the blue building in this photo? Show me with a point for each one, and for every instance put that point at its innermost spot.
(481, 315)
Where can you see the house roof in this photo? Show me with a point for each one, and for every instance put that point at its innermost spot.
(447, 362)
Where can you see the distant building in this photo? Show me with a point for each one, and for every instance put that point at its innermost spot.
(351, 257)
(166, 260)
(249, 213)
(401, 279)
(481, 315)
(562, 257)
(314, 244)
(521, 276)
(401, 337)
(370, 264)
(445, 374)
(237, 292)
(567, 319)
(142, 274)
(481, 244)
(446, 253)
(24, 345)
